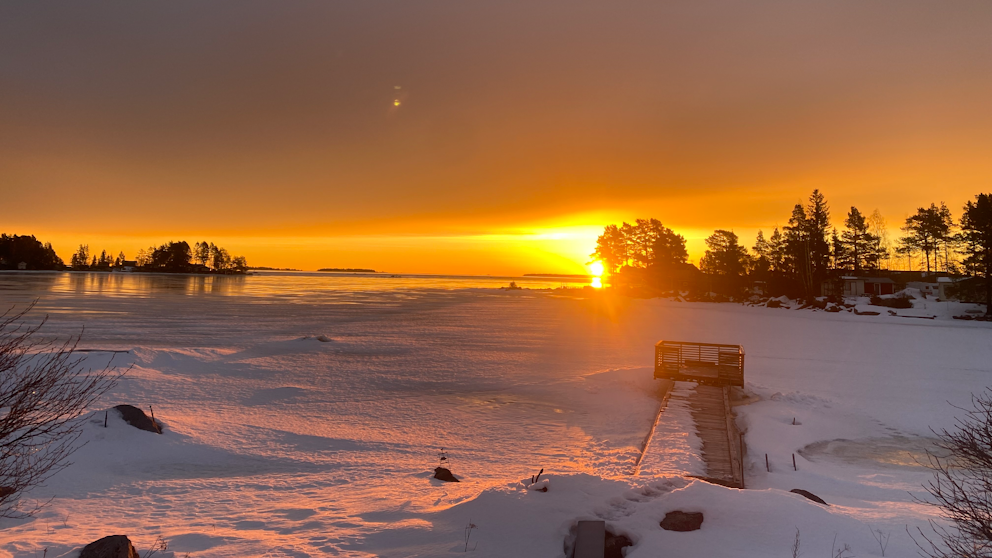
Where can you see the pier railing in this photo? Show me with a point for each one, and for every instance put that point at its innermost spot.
(704, 363)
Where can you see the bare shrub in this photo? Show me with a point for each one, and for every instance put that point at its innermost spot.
(44, 392)
(961, 488)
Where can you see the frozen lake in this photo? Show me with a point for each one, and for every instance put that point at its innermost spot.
(280, 444)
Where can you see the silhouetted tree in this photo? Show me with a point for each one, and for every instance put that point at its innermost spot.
(840, 253)
(220, 258)
(929, 231)
(880, 239)
(976, 230)
(17, 249)
(727, 259)
(808, 250)
(201, 252)
(777, 251)
(80, 260)
(172, 256)
(239, 264)
(646, 244)
(761, 263)
(859, 244)
(611, 249)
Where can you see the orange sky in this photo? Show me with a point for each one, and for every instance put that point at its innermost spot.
(522, 127)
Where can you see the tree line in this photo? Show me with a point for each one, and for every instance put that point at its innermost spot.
(808, 250)
(27, 252)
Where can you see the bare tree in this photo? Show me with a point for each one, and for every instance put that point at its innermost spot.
(44, 392)
(961, 487)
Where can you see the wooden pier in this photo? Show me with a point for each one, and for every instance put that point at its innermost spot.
(716, 370)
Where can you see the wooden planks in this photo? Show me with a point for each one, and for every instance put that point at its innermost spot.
(590, 539)
(710, 409)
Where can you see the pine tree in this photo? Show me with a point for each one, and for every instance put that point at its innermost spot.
(842, 256)
(761, 263)
(858, 242)
(81, 257)
(976, 229)
(777, 254)
(929, 231)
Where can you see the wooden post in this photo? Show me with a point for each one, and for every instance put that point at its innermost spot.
(156, 424)
(105, 418)
(794, 463)
(767, 467)
(742, 460)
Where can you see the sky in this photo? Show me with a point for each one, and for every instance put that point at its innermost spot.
(478, 137)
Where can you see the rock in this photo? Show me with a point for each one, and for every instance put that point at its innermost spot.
(114, 546)
(615, 544)
(441, 473)
(774, 303)
(809, 495)
(137, 418)
(682, 521)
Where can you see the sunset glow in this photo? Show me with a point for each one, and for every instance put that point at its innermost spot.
(302, 155)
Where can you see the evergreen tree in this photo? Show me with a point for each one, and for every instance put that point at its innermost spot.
(761, 263)
(976, 228)
(778, 252)
(81, 257)
(808, 250)
(928, 231)
(859, 244)
(842, 256)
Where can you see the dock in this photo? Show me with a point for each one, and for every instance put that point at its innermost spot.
(716, 370)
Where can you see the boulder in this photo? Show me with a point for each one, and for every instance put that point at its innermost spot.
(137, 418)
(443, 474)
(809, 495)
(682, 521)
(114, 546)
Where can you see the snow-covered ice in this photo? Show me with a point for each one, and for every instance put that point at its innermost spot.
(303, 418)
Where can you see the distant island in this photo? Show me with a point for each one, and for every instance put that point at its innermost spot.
(561, 275)
(27, 253)
(348, 270)
(264, 268)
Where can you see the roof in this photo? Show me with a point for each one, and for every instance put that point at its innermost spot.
(868, 279)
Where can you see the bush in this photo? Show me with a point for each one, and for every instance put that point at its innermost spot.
(961, 487)
(44, 393)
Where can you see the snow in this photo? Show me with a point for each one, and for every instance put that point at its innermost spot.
(279, 443)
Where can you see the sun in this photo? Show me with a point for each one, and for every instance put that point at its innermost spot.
(596, 269)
